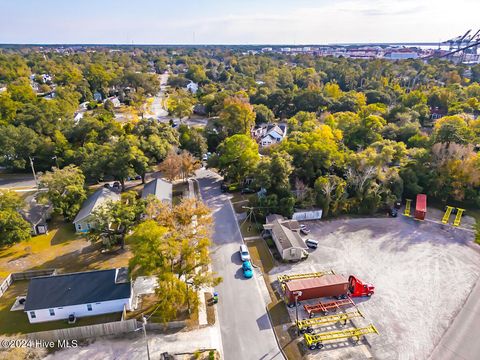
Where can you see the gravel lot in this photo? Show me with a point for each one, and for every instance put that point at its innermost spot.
(422, 271)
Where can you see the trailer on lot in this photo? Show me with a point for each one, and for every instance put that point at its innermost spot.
(285, 278)
(326, 307)
(458, 218)
(307, 325)
(311, 288)
(421, 207)
(315, 341)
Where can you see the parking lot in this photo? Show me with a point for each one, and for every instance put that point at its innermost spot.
(422, 272)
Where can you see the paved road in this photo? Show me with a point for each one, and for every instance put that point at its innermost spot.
(460, 341)
(245, 327)
(21, 181)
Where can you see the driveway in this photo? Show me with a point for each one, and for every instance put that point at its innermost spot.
(245, 328)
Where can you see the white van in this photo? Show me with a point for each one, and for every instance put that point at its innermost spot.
(312, 244)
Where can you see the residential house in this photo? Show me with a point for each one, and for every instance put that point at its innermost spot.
(192, 87)
(269, 134)
(37, 215)
(286, 236)
(77, 295)
(83, 220)
(159, 188)
(97, 96)
(115, 101)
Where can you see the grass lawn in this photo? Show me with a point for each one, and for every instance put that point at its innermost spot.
(62, 249)
(261, 255)
(249, 229)
(281, 323)
(13, 322)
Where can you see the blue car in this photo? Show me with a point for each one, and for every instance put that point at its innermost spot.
(247, 269)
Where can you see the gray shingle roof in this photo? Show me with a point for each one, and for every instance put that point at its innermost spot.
(161, 189)
(100, 196)
(47, 292)
(34, 212)
(285, 231)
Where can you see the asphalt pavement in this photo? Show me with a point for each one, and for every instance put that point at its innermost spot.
(20, 181)
(245, 328)
(460, 340)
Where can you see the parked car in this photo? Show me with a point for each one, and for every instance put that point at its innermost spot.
(205, 157)
(392, 212)
(106, 185)
(223, 187)
(247, 191)
(304, 229)
(311, 243)
(138, 177)
(116, 185)
(247, 269)
(244, 254)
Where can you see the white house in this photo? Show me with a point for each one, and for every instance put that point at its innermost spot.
(83, 220)
(285, 235)
(76, 295)
(269, 134)
(192, 87)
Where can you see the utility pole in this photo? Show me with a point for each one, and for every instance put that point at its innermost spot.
(297, 294)
(144, 322)
(33, 170)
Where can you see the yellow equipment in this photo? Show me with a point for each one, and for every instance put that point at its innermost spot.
(308, 324)
(458, 218)
(284, 278)
(315, 341)
(408, 206)
(446, 216)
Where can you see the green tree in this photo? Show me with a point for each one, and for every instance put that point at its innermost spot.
(238, 157)
(114, 220)
(13, 227)
(452, 129)
(237, 116)
(192, 140)
(180, 103)
(65, 189)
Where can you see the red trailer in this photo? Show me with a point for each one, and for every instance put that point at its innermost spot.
(324, 286)
(325, 307)
(421, 207)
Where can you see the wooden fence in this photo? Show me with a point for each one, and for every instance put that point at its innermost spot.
(5, 284)
(27, 275)
(85, 332)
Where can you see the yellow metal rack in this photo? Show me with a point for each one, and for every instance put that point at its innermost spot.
(316, 341)
(285, 278)
(308, 324)
(446, 216)
(458, 218)
(408, 206)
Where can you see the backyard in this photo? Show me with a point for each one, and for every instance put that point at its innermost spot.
(61, 249)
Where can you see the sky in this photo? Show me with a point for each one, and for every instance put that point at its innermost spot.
(234, 21)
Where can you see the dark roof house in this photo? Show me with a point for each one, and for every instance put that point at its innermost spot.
(37, 215)
(47, 292)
